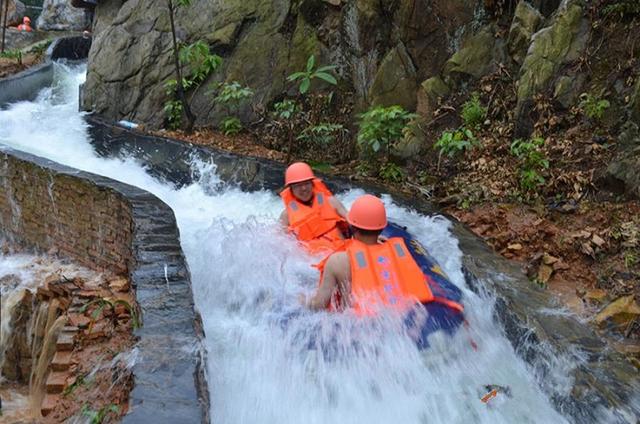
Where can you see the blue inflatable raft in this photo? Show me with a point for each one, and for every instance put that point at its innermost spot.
(440, 316)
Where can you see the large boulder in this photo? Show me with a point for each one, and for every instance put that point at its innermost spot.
(433, 30)
(381, 48)
(478, 56)
(526, 21)
(430, 93)
(395, 82)
(553, 47)
(16, 10)
(60, 15)
(622, 173)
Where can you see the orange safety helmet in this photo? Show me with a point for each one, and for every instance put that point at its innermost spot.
(297, 173)
(367, 213)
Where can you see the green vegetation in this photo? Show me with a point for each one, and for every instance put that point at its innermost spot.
(231, 95)
(97, 417)
(230, 125)
(593, 107)
(473, 113)
(196, 57)
(391, 172)
(532, 162)
(381, 128)
(322, 134)
(309, 74)
(622, 9)
(13, 54)
(452, 143)
(106, 303)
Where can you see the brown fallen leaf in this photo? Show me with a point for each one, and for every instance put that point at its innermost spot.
(514, 246)
(595, 295)
(547, 259)
(621, 311)
(597, 240)
(587, 249)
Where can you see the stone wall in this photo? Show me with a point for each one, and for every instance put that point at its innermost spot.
(104, 224)
(45, 210)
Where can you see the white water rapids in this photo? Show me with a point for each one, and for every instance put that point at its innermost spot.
(242, 265)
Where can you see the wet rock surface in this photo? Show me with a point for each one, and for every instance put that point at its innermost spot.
(605, 384)
(60, 15)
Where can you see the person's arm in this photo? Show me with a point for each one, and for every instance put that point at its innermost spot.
(339, 207)
(284, 219)
(328, 286)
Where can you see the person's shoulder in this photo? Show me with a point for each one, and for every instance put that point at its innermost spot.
(338, 259)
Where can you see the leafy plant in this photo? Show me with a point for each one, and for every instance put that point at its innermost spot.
(473, 113)
(231, 95)
(391, 172)
(309, 74)
(96, 417)
(322, 134)
(106, 303)
(201, 62)
(196, 57)
(532, 162)
(594, 107)
(285, 109)
(173, 112)
(630, 259)
(454, 142)
(13, 54)
(622, 8)
(230, 125)
(80, 381)
(382, 127)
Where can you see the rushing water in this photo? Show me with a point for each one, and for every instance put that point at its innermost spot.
(247, 276)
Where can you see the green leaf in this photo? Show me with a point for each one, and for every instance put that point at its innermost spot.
(327, 77)
(326, 68)
(304, 86)
(296, 75)
(311, 63)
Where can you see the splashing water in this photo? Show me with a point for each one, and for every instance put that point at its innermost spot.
(267, 360)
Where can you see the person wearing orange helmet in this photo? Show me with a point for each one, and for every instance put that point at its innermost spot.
(25, 25)
(369, 272)
(311, 212)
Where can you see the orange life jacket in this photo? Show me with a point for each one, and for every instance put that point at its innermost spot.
(384, 274)
(316, 225)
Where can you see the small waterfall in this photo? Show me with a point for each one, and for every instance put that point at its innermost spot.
(43, 349)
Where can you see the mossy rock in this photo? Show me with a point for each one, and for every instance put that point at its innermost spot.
(395, 82)
(429, 92)
(526, 22)
(562, 42)
(475, 59)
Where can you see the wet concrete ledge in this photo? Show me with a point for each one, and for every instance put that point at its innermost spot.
(606, 387)
(25, 85)
(169, 377)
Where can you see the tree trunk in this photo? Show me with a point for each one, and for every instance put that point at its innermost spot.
(4, 21)
(176, 59)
